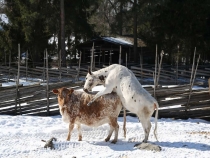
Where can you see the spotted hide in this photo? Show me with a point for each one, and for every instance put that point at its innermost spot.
(133, 96)
(74, 110)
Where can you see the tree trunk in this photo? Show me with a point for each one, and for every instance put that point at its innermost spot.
(121, 19)
(135, 31)
(63, 52)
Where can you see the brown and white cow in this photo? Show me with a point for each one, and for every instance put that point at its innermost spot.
(74, 110)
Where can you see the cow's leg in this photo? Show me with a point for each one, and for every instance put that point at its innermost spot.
(146, 124)
(71, 127)
(113, 127)
(110, 130)
(108, 89)
(79, 132)
(110, 133)
(116, 130)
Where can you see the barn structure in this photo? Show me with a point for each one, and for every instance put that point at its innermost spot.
(109, 50)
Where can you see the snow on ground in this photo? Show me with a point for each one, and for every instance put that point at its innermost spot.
(20, 136)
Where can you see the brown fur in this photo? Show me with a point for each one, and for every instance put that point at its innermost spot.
(146, 111)
(155, 107)
(74, 109)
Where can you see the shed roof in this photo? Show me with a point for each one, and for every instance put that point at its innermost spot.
(106, 41)
(116, 40)
(130, 40)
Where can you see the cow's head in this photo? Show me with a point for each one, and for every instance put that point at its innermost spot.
(63, 95)
(91, 81)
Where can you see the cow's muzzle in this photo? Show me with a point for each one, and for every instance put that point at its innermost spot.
(88, 92)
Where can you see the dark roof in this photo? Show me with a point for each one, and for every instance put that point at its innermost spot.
(114, 41)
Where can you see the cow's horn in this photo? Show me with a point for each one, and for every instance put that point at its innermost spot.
(89, 71)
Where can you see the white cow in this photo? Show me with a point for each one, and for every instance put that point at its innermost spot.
(133, 96)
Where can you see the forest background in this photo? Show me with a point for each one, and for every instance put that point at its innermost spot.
(176, 26)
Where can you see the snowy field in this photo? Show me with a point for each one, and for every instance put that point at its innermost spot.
(20, 137)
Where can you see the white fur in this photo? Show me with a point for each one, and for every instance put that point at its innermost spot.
(133, 96)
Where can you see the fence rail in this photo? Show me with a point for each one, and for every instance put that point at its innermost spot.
(32, 100)
(39, 100)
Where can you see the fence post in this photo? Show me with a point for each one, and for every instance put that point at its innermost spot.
(5, 58)
(44, 66)
(59, 66)
(79, 66)
(47, 86)
(99, 59)
(209, 84)
(192, 82)
(110, 57)
(120, 54)
(141, 64)
(159, 66)
(177, 65)
(92, 54)
(17, 83)
(26, 65)
(126, 59)
(9, 65)
(155, 75)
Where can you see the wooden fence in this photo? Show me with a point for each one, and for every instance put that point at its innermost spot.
(55, 75)
(32, 100)
(180, 102)
(168, 74)
(174, 102)
(172, 75)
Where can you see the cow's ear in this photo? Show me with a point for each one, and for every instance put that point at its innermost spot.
(89, 71)
(55, 91)
(101, 78)
(71, 91)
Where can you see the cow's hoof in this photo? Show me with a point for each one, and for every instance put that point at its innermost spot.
(144, 141)
(114, 142)
(80, 138)
(107, 139)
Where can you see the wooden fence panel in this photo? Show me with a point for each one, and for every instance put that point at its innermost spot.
(32, 100)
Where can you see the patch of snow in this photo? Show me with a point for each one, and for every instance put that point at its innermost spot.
(21, 136)
(4, 18)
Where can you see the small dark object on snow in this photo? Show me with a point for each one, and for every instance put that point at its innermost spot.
(148, 146)
(49, 143)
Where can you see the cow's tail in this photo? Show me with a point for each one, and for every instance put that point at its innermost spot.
(124, 121)
(156, 106)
